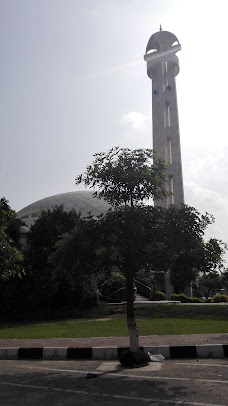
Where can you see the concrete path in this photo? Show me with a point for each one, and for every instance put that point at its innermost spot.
(155, 340)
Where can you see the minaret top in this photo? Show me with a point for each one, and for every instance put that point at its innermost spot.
(162, 47)
(161, 41)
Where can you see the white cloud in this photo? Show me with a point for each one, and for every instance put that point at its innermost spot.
(209, 171)
(206, 188)
(136, 121)
(207, 200)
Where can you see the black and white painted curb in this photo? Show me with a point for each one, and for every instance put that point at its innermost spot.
(111, 353)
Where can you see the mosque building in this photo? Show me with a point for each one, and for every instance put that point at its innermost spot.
(162, 69)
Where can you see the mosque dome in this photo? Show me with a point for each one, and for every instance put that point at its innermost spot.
(81, 201)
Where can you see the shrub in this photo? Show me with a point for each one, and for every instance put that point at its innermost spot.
(208, 300)
(196, 300)
(174, 296)
(220, 298)
(181, 297)
(111, 285)
(132, 359)
(158, 296)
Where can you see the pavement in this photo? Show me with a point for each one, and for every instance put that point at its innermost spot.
(109, 348)
(106, 383)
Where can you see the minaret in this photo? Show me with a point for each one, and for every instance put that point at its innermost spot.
(162, 68)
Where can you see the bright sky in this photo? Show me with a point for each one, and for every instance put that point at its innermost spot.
(73, 82)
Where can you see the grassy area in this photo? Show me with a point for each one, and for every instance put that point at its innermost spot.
(113, 327)
(152, 319)
(213, 311)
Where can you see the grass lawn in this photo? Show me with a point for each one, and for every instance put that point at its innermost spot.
(112, 327)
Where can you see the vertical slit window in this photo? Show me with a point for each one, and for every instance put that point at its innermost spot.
(170, 185)
(167, 115)
(168, 151)
(165, 75)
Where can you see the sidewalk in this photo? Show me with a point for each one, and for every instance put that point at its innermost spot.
(109, 348)
(155, 340)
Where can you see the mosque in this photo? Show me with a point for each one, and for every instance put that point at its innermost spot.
(162, 69)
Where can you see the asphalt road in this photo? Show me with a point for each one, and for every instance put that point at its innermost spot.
(57, 383)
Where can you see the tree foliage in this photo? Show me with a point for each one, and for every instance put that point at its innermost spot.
(155, 239)
(74, 259)
(183, 230)
(211, 274)
(46, 231)
(125, 176)
(113, 288)
(207, 284)
(75, 251)
(211, 256)
(43, 236)
(11, 258)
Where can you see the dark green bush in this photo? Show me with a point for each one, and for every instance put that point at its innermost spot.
(208, 300)
(132, 359)
(174, 296)
(181, 297)
(220, 298)
(196, 300)
(112, 285)
(158, 296)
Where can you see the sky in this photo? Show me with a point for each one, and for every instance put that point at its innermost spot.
(73, 82)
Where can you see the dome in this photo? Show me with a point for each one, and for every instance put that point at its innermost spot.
(161, 41)
(81, 201)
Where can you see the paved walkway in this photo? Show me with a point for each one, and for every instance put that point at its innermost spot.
(172, 340)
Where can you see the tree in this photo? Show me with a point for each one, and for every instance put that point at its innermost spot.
(44, 234)
(126, 177)
(211, 256)
(46, 231)
(225, 279)
(11, 258)
(209, 283)
(161, 239)
(180, 247)
(75, 260)
(132, 236)
(123, 176)
(210, 266)
(183, 230)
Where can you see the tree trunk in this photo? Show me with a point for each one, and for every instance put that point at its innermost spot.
(132, 328)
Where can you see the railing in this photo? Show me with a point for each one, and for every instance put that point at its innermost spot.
(117, 295)
(150, 290)
(118, 299)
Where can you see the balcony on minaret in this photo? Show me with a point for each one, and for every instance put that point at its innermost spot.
(161, 56)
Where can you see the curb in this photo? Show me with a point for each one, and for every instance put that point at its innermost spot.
(111, 353)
